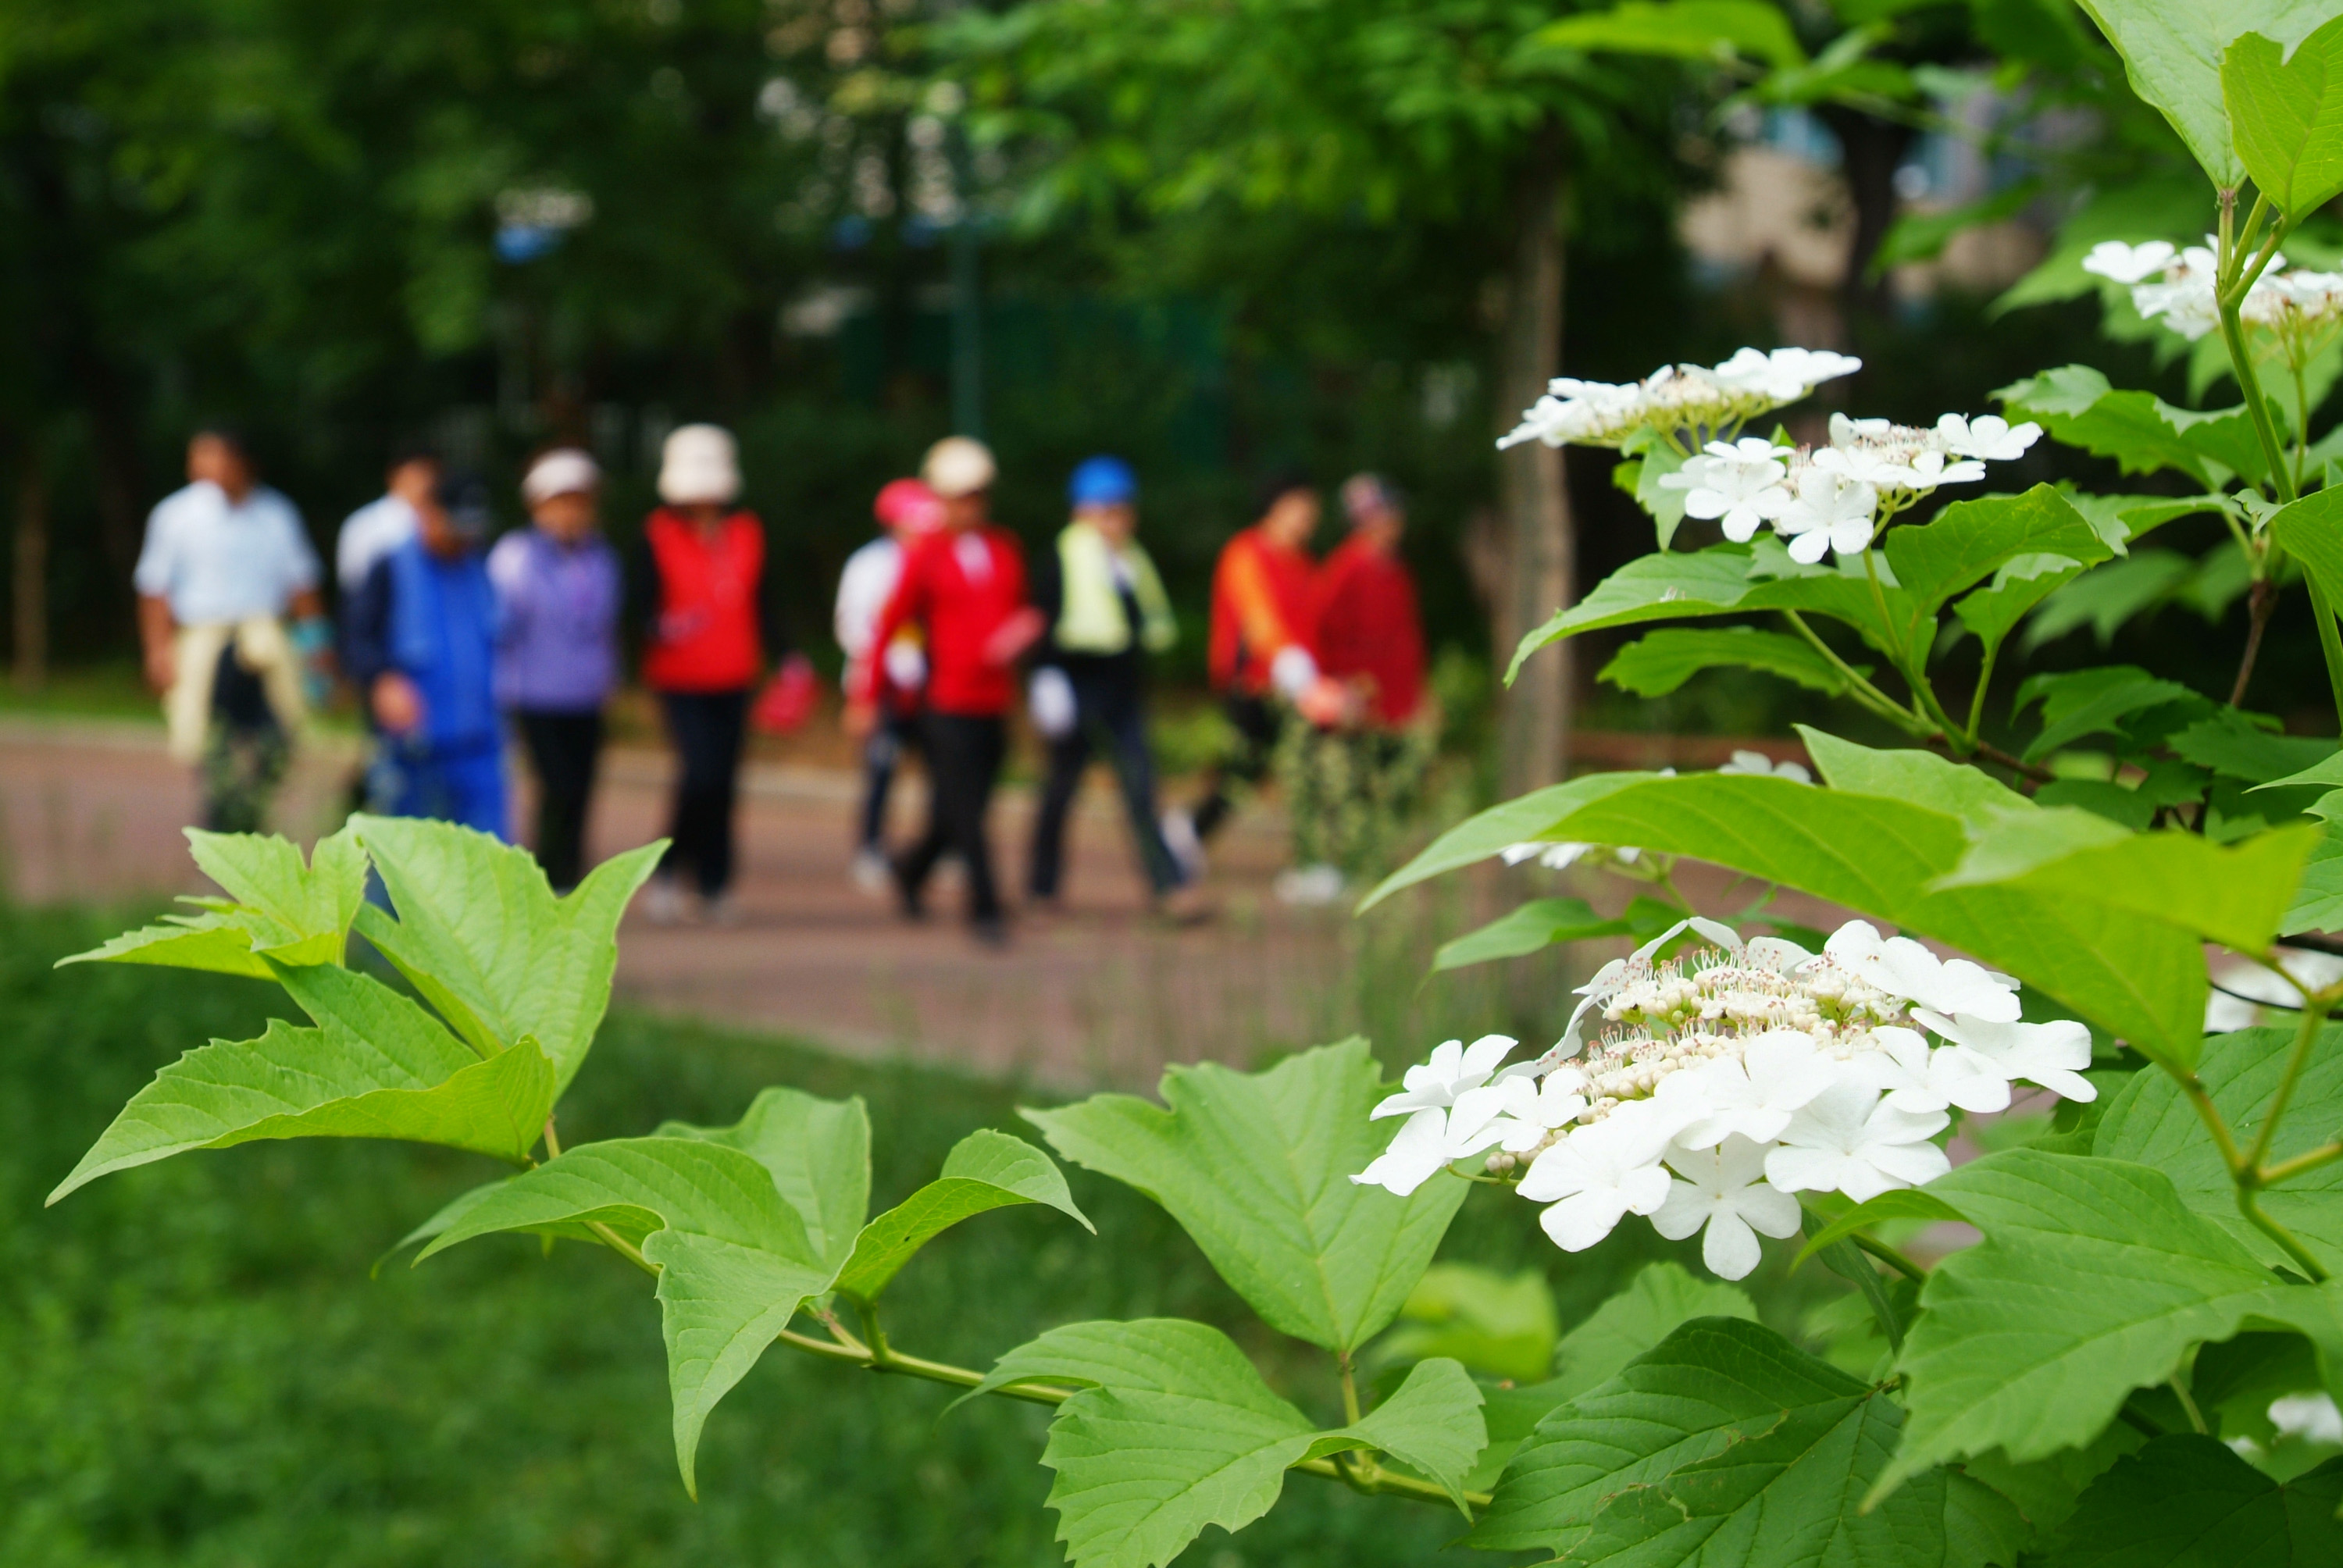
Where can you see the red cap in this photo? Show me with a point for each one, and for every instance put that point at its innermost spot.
(911, 506)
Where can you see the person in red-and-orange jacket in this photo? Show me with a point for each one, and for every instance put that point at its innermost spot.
(964, 589)
(1370, 631)
(1262, 652)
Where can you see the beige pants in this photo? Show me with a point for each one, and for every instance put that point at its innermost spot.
(261, 646)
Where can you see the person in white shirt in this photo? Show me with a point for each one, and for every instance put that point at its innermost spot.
(907, 510)
(225, 564)
(388, 521)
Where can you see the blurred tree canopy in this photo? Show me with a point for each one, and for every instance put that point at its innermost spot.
(1215, 238)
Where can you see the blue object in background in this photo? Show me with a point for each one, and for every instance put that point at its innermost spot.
(1103, 481)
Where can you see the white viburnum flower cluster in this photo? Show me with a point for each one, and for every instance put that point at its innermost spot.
(1723, 1085)
(1704, 400)
(2176, 287)
(1835, 497)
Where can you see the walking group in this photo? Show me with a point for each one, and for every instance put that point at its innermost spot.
(455, 648)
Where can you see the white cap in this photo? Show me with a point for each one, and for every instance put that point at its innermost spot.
(564, 471)
(699, 466)
(958, 466)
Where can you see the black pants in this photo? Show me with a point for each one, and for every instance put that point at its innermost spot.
(964, 754)
(1257, 725)
(1110, 715)
(706, 728)
(563, 749)
(882, 755)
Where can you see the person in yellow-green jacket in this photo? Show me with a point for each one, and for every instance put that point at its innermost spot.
(1106, 612)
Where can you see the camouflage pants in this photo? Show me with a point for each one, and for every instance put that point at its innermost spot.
(1349, 793)
(242, 767)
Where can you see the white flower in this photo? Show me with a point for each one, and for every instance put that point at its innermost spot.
(1534, 1111)
(1879, 468)
(1596, 1175)
(1739, 485)
(1783, 375)
(2241, 986)
(2050, 1054)
(1829, 511)
(1763, 766)
(1847, 1140)
(1562, 857)
(2313, 1417)
(1915, 1079)
(1453, 1069)
(1429, 1140)
(1776, 1074)
(2129, 262)
(1926, 470)
(1902, 967)
(1988, 435)
(1724, 1188)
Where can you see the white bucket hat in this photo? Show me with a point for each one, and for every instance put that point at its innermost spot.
(958, 466)
(564, 471)
(699, 466)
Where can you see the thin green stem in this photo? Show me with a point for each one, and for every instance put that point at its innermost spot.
(624, 1248)
(2331, 646)
(1349, 1390)
(2287, 1170)
(1888, 1255)
(1858, 687)
(2188, 1405)
(1977, 701)
(2210, 1114)
(2241, 361)
(2306, 1035)
(2250, 1207)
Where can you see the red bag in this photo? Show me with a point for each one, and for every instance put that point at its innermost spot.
(788, 698)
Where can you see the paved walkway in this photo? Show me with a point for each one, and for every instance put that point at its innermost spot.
(90, 812)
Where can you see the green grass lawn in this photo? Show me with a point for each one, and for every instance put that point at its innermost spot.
(199, 1368)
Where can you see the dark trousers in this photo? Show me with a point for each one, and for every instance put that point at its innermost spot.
(964, 754)
(563, 749)
(1111, 717)
(882, 755)
(706, 728)
(1257, 725)
(246, 755)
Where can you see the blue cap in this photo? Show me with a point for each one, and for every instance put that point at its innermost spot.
(1102, 482)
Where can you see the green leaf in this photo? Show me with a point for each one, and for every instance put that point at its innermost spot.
(1173, 1431)
(2140, 979)
(296, 914)
(2152, 1123)
(2103, 710)
(1969, 541)
(1257, 1167)
(734, 1260)
(1522, 819)
(2236, 895)
(2123, 520)
(1655, 665)
(2230, 743)
(1489, 1322)
(1660, 1298)
(1921, 777)
(2107, 598)
(481, 934)
(2286, 116)
(2173, 50)
(2140, 431)
(2187, 1499)
(1994, 612)
(2311, 531)
(2317, 903)
(1666, 585)
(817, 1152)
(1723, 1427)
(2094, 1279)
(2326, 772)
(1710, 30)
(1533, 927)
(1903, 1203)
(985, 1171)
(376, 1066)
(1432, 1425)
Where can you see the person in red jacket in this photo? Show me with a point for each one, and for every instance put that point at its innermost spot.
(705, 646)
(1350, 784)
(1261, 653)
(964, 589)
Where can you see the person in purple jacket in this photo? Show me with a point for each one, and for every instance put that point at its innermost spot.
(558, 600)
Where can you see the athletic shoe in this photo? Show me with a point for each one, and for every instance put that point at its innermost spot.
(1187, 848)
(870, 871)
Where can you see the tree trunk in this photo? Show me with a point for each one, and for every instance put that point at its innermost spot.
(1870, 152)
(1539, 548)
(29, 576)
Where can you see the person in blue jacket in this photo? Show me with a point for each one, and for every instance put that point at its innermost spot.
(422, 652)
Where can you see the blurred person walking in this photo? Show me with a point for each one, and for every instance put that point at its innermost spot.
(224, 564)
(908, 512)
(421, 648)
(964, 589)
(1349, 786)
(559, 593)
(1105, 610)
(711, 626)
(390, 519)
(1262, 655)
